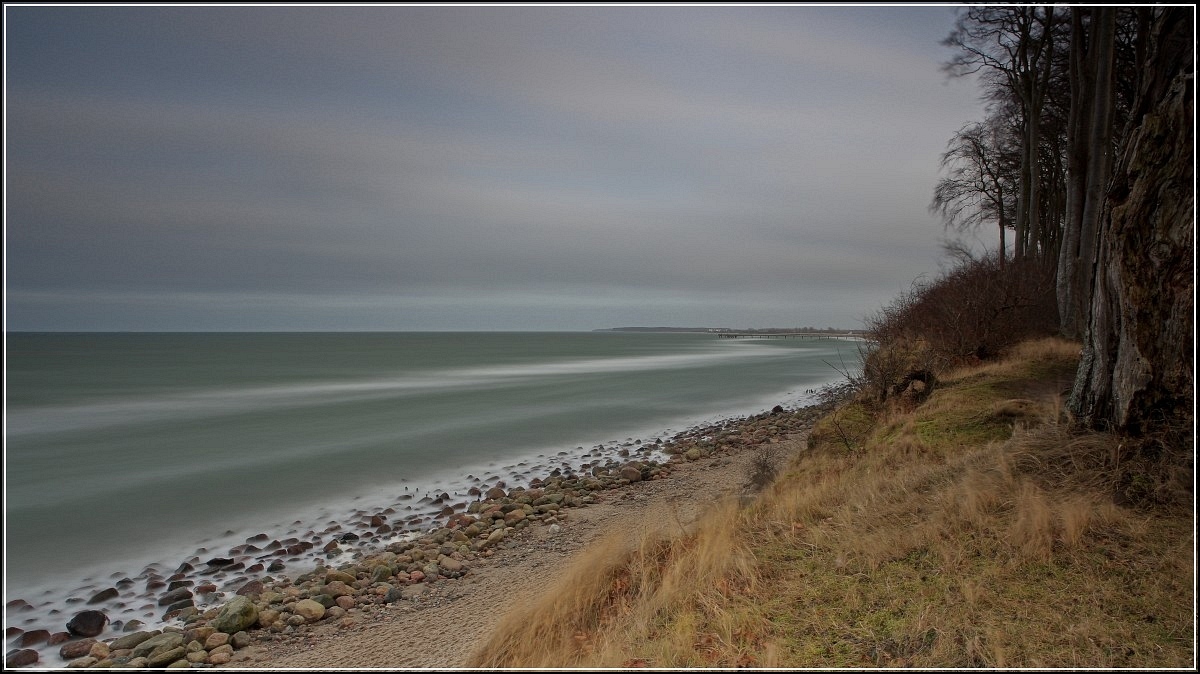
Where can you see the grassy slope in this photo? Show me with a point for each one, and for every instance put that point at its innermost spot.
(969, 530)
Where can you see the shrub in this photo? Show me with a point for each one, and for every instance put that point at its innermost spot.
(763, 467)
(969, 313)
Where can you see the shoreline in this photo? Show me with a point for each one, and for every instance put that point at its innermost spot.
(436, 569)
(442, 627)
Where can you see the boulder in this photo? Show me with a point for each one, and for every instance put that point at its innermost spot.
(227, 648)
(32, 638)
(76, 649)
(132, 641)
(103, 595)
(237, 615)
(310, 610)
(176, 595)
(253, 587)
(99, 650)
(181, 604)
(240, 640)
(347, 578)
(267, 617)
(632, 473)
(20, 658)
(199, 633)
(166, 657)
(216, 640)
(337, 589)
(159, 643)
(87, 623)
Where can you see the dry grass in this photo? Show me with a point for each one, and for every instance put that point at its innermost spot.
(975, 530)
(618, 592)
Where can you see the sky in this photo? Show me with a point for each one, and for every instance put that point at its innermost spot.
(471, 168)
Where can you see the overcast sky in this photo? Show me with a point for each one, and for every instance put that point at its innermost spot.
(471, 168)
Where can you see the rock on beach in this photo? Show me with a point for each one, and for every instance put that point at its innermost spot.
(239, 614)
(87, 623)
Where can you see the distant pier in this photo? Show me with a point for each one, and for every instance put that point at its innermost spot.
(789, 335)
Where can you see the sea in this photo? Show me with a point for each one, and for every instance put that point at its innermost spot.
(127, 453)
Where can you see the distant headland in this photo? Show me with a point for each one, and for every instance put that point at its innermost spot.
(740, 331)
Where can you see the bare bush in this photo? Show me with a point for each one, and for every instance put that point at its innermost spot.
(763, 467)
(969, 313)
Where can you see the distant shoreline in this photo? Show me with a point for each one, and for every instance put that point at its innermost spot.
(760, 331)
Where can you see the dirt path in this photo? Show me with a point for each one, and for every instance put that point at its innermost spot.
(441, 627)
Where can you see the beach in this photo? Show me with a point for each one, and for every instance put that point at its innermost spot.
(443, 626)
(429, 601)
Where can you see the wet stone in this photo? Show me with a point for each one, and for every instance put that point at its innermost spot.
(76, 649)
(104, 595)
(21, 658)
(131, 640)
(87, 623)
(176, 595)
(32, 638)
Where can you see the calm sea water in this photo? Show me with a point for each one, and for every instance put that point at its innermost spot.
(127, 448)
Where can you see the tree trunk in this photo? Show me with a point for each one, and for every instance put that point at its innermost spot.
(1136, 365)
(1003, 225)
(1070, 298)
(1100, 139)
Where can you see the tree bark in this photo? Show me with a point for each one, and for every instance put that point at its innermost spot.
(1137, 367)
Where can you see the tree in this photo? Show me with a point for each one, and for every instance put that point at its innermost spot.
(980, 182)
(1015, 47)
(1089, 158)
(1136, 366)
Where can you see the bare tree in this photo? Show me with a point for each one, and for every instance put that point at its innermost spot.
(1014, 46)
(979, 184)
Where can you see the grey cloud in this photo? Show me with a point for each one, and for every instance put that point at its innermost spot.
(562, 161)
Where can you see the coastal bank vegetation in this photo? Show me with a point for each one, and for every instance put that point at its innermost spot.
(1010, 482)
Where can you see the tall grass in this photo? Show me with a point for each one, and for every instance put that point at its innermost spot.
(976, 529)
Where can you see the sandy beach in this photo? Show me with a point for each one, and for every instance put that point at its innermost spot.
(440, 627)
